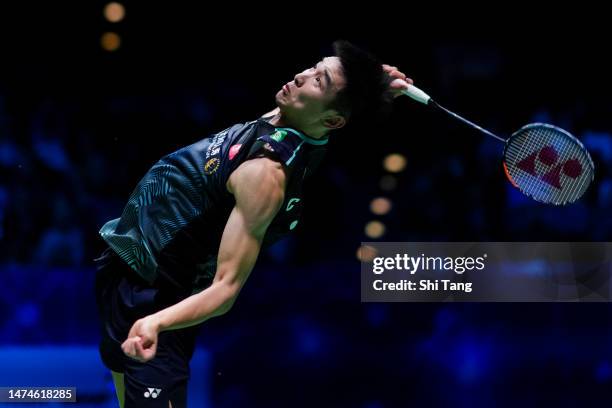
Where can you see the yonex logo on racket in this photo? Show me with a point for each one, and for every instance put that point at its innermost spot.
(548, 156)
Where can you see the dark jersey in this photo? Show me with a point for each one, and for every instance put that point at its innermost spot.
(170, 230)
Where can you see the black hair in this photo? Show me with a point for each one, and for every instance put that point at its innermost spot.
(366, 95)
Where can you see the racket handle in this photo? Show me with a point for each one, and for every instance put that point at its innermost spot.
(416, 94)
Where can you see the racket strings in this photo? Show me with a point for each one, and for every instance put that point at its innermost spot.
(542, 150)
(548, 164)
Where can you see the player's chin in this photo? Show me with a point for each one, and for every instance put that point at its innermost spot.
(281, 98)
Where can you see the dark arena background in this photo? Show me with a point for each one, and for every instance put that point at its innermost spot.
(91, 96)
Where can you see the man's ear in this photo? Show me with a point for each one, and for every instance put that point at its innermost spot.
(334, 121)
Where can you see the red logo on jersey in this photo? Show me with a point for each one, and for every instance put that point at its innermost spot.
(549, 157)
(234, 151)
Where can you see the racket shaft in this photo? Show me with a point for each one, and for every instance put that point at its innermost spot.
(464, 120)
(420, 96)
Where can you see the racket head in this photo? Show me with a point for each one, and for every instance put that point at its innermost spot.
(548, 164)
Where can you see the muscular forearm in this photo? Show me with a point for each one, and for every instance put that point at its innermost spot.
(211, 302)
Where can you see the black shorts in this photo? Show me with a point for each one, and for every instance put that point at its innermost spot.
(122, 298)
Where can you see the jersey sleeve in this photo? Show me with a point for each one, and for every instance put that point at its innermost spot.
(281, 146)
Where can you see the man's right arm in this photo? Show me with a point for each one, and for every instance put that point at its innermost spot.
(258, 186)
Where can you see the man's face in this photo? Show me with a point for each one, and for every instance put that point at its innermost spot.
(305, 100)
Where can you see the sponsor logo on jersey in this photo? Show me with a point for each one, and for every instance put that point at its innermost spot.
(212, 165)
(279, 135)
(234, 151)
(215, 145)
(291, 203)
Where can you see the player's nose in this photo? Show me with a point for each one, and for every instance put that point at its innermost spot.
(298, 79)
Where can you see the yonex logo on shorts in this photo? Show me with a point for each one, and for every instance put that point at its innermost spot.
(153, 392)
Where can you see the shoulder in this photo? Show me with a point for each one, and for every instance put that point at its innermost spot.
(259, 175)
(258, 187)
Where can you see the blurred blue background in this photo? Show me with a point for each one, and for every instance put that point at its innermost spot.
(84, 114)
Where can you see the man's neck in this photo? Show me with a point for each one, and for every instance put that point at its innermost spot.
(278, 120)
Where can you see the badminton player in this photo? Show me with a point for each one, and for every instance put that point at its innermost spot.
(193, 227)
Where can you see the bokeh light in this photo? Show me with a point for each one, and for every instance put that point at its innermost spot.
(375, 229)
(380, 206)
(110, 41)
(394, 163)
(114, 12)
(366, 253)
